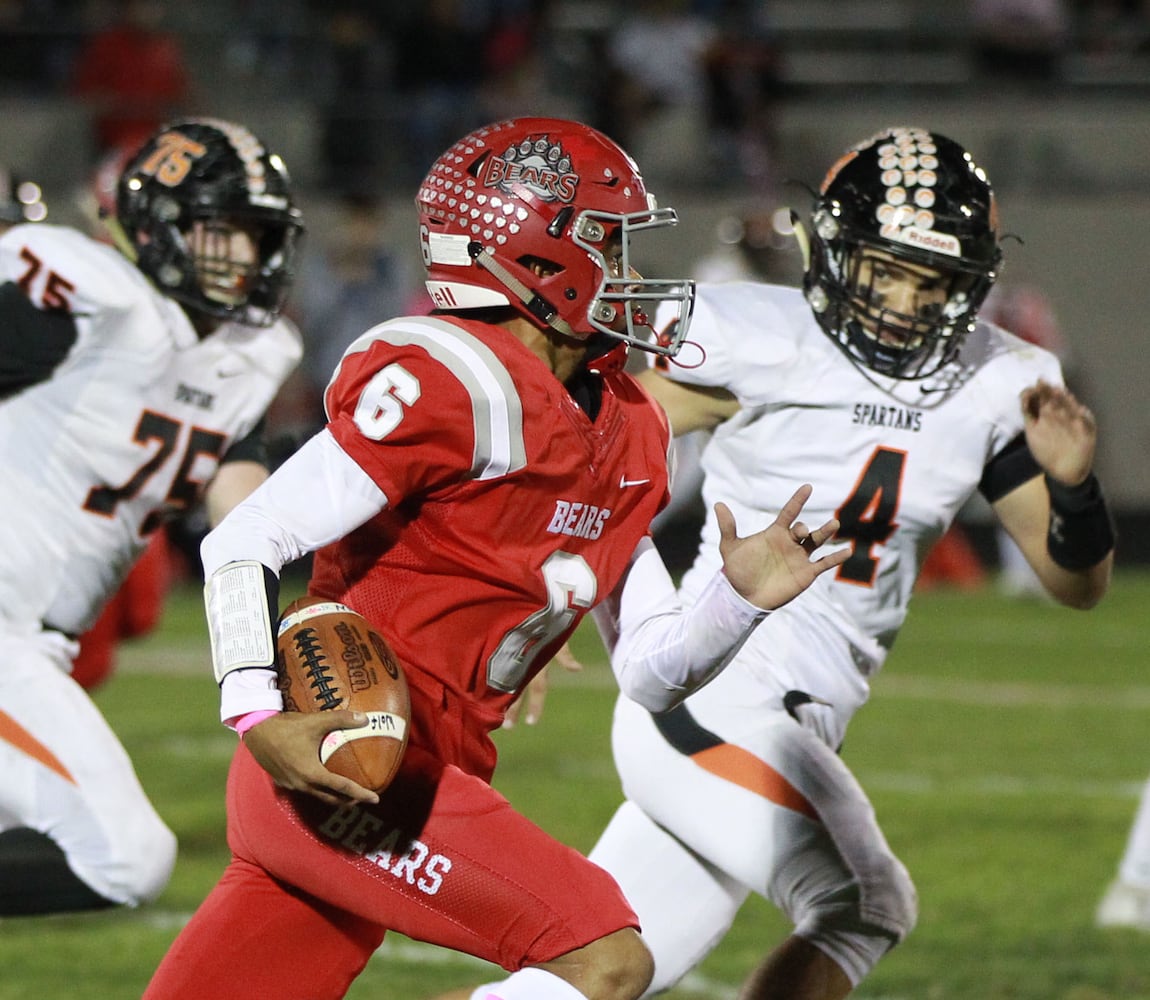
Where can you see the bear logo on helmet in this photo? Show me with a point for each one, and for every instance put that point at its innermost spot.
(536, 165)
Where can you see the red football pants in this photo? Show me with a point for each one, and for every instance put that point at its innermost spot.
(442, 858)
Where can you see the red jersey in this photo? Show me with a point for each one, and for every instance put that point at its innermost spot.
(511, 513)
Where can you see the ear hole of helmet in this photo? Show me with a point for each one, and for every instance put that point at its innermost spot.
(541, 266)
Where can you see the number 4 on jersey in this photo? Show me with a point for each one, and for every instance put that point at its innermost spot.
(866, 518)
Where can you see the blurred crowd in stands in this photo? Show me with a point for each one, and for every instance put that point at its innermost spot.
(648, 72)
(689, 86)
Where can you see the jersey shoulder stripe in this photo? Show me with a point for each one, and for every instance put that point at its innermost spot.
(497, 411)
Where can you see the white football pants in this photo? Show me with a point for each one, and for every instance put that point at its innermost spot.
(67, 776)
(730, 795)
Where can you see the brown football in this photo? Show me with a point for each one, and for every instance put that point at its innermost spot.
(328, 657)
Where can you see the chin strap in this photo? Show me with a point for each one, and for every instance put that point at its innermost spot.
(534, 303)
(610, 362)
(802, 239)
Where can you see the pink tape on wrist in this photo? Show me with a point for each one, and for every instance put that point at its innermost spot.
(246, 721)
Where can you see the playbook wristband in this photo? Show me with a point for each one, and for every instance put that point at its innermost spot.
(241, 599)
(1081, 531)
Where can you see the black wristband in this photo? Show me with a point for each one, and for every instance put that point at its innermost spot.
(1081, 531)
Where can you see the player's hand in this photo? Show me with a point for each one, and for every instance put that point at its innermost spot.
(287, 747)
(1060, 432)
(774, 565)
(536, 691)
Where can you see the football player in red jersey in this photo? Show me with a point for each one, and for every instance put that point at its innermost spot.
(133, 385)
(487, 477)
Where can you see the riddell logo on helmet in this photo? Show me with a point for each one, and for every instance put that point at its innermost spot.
(936, 242)
(539, 165)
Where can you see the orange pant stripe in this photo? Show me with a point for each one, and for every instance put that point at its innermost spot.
(12, 732)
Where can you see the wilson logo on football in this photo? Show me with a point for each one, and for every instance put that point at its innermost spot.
(539, 165)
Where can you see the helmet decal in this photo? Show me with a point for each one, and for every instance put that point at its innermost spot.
(836, 168)
(909, 173)
(172, 159)
(253, 156)
(536, 165)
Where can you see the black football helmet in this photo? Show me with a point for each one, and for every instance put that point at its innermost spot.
(919, 198)
(205, 169)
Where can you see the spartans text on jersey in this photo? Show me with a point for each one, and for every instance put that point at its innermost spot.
(898, 417)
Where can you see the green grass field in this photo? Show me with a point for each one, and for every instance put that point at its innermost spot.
(1003, 747)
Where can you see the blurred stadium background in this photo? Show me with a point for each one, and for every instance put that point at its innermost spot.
(1005, 742)
(724, 103)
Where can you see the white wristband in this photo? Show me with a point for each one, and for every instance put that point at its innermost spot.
(244, 691)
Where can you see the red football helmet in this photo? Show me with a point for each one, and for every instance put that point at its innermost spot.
(544, 191)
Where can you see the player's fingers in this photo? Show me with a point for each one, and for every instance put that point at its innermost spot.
(804, 536)
(825, 532)
(317, 780)
(536, 695)
(1034, 397)
(726, 521)
(790, 511)
(511, 716)
(338, 719)
(535, 702)
(338, 791)
(832, 559)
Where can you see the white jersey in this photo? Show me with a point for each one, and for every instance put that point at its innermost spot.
(893, 459)
(727, 795)
(128, 430)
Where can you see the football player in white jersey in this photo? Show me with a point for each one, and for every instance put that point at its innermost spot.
(878, 383)
(133, 384)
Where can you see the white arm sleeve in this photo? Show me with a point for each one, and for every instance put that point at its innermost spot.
(317, 496)
(661, 652)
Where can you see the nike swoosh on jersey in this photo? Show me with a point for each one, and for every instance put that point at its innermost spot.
(624, 482)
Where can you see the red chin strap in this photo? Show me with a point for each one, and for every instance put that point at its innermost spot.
(611, 363)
